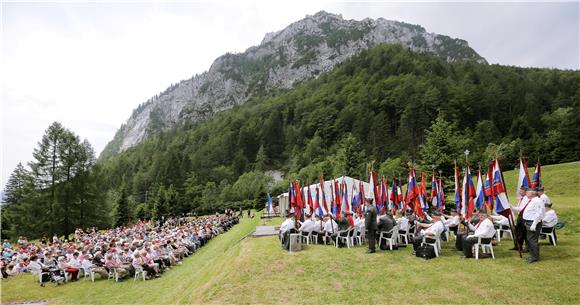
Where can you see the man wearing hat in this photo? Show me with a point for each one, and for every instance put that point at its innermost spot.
(520, 230)
(432, 230)
(318, 228)
(550, 220)
(285, 229)
(532, 214)
(371, 224)
(453, 221)
(484, 229)
(543, 196)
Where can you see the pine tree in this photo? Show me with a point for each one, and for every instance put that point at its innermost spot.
(15, 187)
(261, 159)
(122, 213)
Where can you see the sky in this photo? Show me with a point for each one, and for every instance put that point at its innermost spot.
(87, 65)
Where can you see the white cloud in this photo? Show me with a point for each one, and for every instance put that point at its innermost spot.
(88, 65)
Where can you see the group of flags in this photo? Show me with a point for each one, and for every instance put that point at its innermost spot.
(524, 176)
(490, 190)
(334, 197)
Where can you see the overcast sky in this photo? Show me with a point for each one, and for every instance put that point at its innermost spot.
(88, 65)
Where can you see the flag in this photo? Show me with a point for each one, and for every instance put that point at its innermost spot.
(337, 196)
(468, 194)
(333, 203)
(310, 204)
(479, 191)
(457, 191)
(440, 195)
(423, 192)
(317, 206)
(299, 203)
(434, 196)
(373, 187)
(394, 198)
(345, 204)
(323, 195)
(523, 177)
(488, 188)
(270, 208)
(502, 205)
(384, 194)
(537, 179)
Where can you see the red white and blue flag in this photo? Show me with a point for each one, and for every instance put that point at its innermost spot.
(479, 191)
(440, 195)
(458, 196)
(523, 177)
(468, 194)
(537, 179)
(502, 205)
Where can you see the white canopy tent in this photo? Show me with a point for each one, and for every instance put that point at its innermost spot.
(283, 200)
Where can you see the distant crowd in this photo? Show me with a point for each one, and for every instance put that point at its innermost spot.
(145, 249)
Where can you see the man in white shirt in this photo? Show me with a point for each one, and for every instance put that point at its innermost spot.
(520, 230)
(483, 229)
(453, 221)
(330, 226)
(432, 230)
(543, 196)
(285, 229)
(549, 221)
(307, 226)
(318, 228)
(532, 214)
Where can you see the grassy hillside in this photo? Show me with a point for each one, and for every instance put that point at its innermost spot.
(256, 270)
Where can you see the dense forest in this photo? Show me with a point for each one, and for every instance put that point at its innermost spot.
(387, 105)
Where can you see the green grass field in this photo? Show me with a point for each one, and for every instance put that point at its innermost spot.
(256, 270)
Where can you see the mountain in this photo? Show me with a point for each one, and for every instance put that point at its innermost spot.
(303, 50)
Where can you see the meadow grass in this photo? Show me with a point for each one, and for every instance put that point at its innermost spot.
(232, 269)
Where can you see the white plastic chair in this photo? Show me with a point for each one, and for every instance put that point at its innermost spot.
(505, 229)
(343, 235)
(484, 247)
(436, 243)
(392, 239)
(549, 233)
(405, 236)
(113, 274)
(306, 238)
(140, 272)
(88, 272)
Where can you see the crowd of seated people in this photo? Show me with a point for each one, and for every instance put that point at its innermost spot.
(152, 246)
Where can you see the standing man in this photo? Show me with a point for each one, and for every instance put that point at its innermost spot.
(371, 224)
(520, 226)
(532, 215)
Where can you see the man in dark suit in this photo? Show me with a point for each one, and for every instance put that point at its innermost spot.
(371, 224)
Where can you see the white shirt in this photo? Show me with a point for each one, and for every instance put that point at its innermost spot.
(286, 225)
(550, 219)
(74, 263)
(307, 226)
(534, 210)
(317, 226)
(359, 224)
(436, 228)
(500, 220)
(523, 201)
(403, 223)
(331, 226)
(453, 221)
(545, 199)
(484, 229)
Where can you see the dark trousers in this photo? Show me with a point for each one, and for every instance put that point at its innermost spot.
(372, 236)
(419, 239)
(459, 241)
(520, 232)
(532, 240)
(467, 246)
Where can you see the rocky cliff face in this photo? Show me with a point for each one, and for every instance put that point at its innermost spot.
(302, 50)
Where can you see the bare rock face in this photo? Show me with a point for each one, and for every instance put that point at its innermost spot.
(301, 51)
